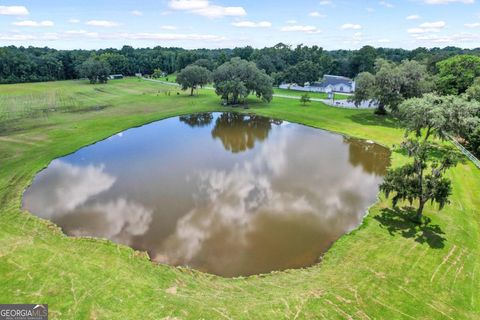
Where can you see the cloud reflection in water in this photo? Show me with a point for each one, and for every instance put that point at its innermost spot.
(237, 205)
(65, 194)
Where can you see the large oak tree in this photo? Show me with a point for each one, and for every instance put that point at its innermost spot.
(193, 77)
(236, 79)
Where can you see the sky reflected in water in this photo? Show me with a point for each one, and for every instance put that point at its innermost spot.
(223, 193)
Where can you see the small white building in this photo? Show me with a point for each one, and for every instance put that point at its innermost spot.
(329, 83)
(116, 76)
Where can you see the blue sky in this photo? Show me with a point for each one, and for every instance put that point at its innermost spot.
(332, 24)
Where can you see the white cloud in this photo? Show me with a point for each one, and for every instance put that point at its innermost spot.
(219, 11)
(205, 8)
(13, 11)
(30, 37)
(448, 1)
(416, 30)
(35, 24)
(68, 186)
(102, 23)
(292, 21)
(317, 14)
(168, 27)
(188, 4)
(384, 40)
(428, 27)
(81, 33)
(357, 37)
(252, 24)
(435, 25)
(74, 21)
(473, 25)
(300, 28)
(452, 39)
(137, 13)
(350, 26)
(170, 36)
(386, 4)
(413, 17)
(16, 37)
(326, 3)
(118, 220)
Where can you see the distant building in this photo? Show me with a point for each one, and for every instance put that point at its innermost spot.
(138, 75)
(116, 76)
(336, 84)
(328, 84)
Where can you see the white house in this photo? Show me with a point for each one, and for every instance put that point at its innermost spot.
(116, 76)
(329, 83)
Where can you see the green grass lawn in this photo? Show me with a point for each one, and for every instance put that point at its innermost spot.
(386, 269)
(169, 78)
(318, 95)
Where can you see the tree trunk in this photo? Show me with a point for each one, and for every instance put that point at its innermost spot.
(419, 214)
(381, 109)
(427, 135)
(191, 92)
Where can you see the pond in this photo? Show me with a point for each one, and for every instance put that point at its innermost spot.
(224, 193)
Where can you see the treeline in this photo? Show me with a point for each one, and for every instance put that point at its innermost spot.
(283, 63)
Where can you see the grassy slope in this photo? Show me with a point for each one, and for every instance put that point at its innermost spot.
(388, 270)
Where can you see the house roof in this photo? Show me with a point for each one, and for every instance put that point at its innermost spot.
(333, 81)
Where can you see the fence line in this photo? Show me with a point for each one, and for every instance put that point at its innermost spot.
(466, 152)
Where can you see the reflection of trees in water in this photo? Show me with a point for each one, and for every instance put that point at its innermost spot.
(372, 157)
(197, 119)
(239, 132)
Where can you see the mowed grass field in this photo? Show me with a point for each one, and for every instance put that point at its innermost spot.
(386, 269)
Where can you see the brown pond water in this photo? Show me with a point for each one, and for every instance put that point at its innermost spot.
(223, 193)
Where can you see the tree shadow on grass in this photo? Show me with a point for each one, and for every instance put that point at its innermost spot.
(399, 221)
(371, 119)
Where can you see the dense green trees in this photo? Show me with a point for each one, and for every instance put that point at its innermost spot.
(392, 83)
(95, 69)
(442, 116)
(474, 141)
(364, 88)
(424, 116)
(458, 73)
(473, 92)
(303, 72)
(363, 60)
(19, 64)
(192, 77)
(206, 63)
(118, 63)
(236, 79)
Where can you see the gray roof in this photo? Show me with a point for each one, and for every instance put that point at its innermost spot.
(333, 80)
